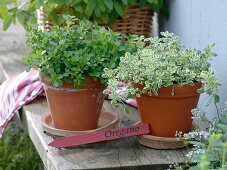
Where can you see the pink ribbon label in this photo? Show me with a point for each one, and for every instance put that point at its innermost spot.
(105, 135)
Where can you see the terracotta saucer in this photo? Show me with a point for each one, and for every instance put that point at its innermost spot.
(157, 142)
(107, 120)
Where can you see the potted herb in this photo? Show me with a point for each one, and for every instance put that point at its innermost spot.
(122, 15)
(71, 60)
(165, 79)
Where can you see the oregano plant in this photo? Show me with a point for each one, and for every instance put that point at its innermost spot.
(163, 63)
(76, 51)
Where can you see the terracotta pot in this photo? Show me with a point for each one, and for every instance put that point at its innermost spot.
(75, 110)
(167, 114)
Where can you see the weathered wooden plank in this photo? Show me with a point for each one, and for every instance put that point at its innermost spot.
(122, 153)
(117, 153)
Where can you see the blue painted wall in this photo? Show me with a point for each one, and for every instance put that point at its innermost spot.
(198, 23)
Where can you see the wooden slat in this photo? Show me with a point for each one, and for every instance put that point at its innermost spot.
(119, 153)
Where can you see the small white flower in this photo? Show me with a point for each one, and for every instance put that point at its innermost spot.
(43, 52)
(198, 136)
(194, 153)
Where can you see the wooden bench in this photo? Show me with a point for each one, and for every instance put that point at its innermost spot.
(124, 153)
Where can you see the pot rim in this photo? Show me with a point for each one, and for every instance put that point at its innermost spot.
(179, 91)
(92, 84)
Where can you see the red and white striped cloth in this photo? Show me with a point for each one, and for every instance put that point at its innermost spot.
(19, 90)
(16, 92)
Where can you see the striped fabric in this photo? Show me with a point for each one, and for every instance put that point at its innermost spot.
(16, 92)
(19, 90)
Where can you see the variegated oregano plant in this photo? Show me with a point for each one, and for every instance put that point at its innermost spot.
(163, 63)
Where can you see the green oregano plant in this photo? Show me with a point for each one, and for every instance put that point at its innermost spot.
(76, 51)
(163, 63)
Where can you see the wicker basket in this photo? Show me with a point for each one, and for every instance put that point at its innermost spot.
(135, 21)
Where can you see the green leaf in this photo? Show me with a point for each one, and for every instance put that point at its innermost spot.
(14, 18)
(67, 64)
(97, 12)
(216, 136)
(14, 10)
(143, 3)
(68, 80)
(105, 18)
(155, 6)
(126, 109)
(217, 144)
(6, 2)
(48, 79)
(53, 43)
(23, 17)
(116, 105)
(201, 90)
(223, 127)
(109, 4)
(216, 98)
(195, 168)
(118, 8)
(132, 2)
(8, 20)
(165, 10)
(68, 2)
(155, 1)
(75, 2)
(41, 73)
(28, 68)
(197, 143)
(51, 71)
(3, 12)
(112, 64)
(113, 18)
(90, 8)
(65, 12)
(101, 5)
(40, 3)
(56, 83)
(179, 168)
(125, 2)
(34, 5)
(78, 8)
(64, 2)
(161, 3)
(52, 1)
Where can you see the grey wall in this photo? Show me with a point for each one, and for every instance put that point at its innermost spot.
(198, 23)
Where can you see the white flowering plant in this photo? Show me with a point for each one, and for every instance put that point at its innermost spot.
(163, 63)
(209, 149)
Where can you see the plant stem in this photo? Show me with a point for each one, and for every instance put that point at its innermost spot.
(215, 104)
(224, 153)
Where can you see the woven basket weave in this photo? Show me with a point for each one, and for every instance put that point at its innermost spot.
(135, 21)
